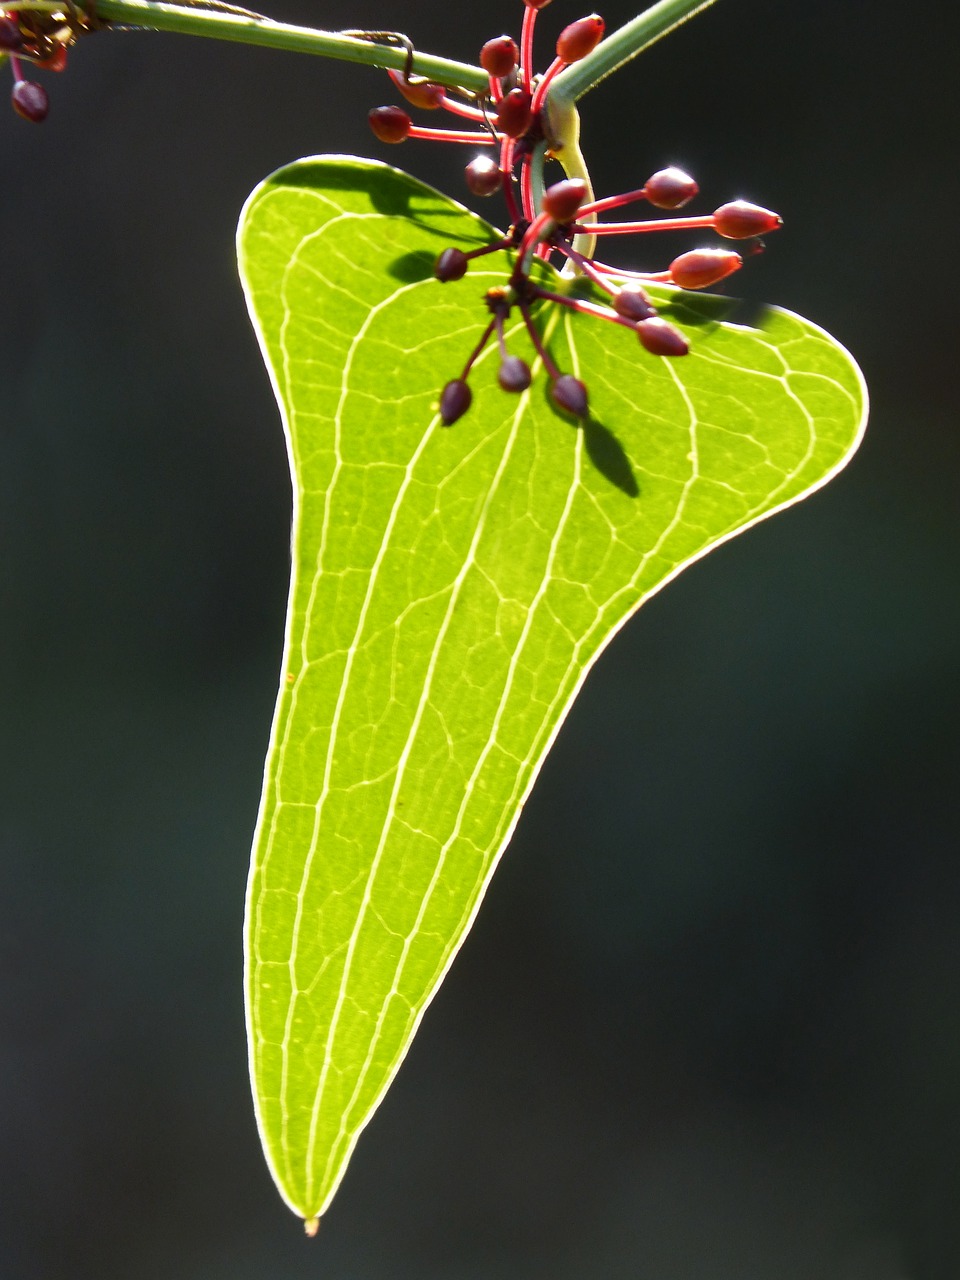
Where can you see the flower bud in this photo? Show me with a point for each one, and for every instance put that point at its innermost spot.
(513, 113)
(670, 189)
(499, 57)
(661, 338)
(563, 199)
(390, 124)
(11, 39)
(30, 100)
(701, 268)
(455, 399)
(633, 304)
(421, 93)
(580, 38)
(570, 394)
(740, 220)
(514, 374)
(450, 265)
(483, 176)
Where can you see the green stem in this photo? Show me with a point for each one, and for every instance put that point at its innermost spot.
(280, 35)
(622, 45)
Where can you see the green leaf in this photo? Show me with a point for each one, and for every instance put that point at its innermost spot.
(451, 589)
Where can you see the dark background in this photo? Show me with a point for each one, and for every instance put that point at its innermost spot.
(707, 1026)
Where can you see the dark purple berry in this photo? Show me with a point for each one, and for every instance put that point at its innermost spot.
(499, 57)
(484, 176)
(661, 338)
(513, 113)
(390, 124)
(455, 400)
(701, 268)
(633, 304)
(514, 374)
(570, 394)
(739, 220)
(580, 38)
(421, 93)
(451, 265)
(563, 199)
(30, 101)
(670, 189)
(10, 36)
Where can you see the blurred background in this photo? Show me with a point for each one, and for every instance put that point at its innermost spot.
(707, 1026)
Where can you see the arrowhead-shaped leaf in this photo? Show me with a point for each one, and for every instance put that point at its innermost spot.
(451, 589)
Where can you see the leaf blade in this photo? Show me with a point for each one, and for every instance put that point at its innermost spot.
(451, 590)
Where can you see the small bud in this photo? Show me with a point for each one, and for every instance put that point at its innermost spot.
(483, 176)
(513, 113)
(570, 394)
(455, 400)
(499, 57)
(30, 101)
(580, 38)
(633, 304)
(514, 374)
(701, 268)
(10, 37)
(563, 199)
(421, 93)
(670, 189)
(740, 220)
(661, 338)
(451, 265)
(390, 124)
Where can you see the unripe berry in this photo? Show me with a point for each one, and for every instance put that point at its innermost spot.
(483, 176)
(633, 304)
(580, 38)
(455, 400)
(390, 124)
(30, 101)
(10, 36)
(570, 394)
(451, 265)
(701, 268)
(499, 57)
(563, 199)
(421, 93)
(513, 113)
(661, 338)
(514, 374)
(670, 189)
(739, 220)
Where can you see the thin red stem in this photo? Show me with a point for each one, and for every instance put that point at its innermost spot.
(588, 269)
(526, 189)
(496, 88)
(452, 135)
(582, 305)
(526, 46)
(477, 349)
(634, 228)
(555, 66)
(612, 202)
(462, 109)
(541, 350)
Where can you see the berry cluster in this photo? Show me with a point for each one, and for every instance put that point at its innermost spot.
(562, 224)
(39, 37)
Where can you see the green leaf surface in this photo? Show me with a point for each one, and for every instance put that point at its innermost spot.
(451, 589)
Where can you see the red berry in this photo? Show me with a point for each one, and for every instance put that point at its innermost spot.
(498, 57)
(701, 268)
(513, 113)
(570, 394)
(30, 101)
(633, 304)
(10, 36)
(739, 220)
(451, 265)
(563, 199)
(390, 124)
(514, 374)
(661, 338)
(421, 93)
(455, 400)
(580, 38)
(670, 189)
(484, 176)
